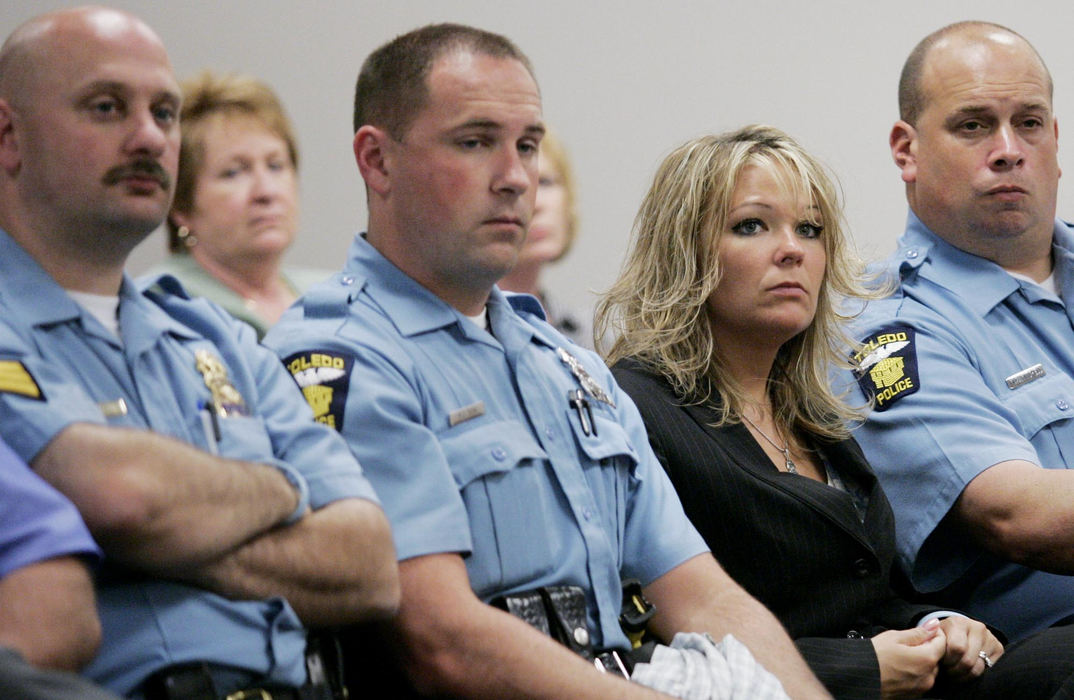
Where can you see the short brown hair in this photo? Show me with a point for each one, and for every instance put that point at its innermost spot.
(392, 86)
(208, 97)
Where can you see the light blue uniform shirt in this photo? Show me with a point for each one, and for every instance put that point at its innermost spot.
(50, 345)
(471, 444)
(974, 326)
(36, 521)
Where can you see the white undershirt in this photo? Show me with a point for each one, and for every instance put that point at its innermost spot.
(102, 307)
(481, 320)
(1047, 284)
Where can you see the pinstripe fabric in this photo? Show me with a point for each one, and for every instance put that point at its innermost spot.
(797, 545)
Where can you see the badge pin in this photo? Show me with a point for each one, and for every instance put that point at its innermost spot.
(588, 383)
(1025, 376)
(226, 399)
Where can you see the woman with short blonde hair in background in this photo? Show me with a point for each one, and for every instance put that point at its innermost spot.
(235, 211)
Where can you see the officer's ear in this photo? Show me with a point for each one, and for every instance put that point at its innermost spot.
(903, 143)
(9, 143)
(371, 152)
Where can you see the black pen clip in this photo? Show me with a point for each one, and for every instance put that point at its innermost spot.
(576, 399)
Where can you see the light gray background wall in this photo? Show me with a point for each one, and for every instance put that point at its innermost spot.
(623, 82)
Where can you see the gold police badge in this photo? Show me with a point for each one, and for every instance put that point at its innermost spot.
(226, 399)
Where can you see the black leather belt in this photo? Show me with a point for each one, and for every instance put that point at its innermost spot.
(194, 681)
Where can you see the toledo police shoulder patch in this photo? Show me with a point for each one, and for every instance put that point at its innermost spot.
(886, 366)
(324, 377)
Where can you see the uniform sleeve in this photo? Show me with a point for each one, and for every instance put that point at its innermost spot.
(375, 403)
(930, 437)
(299, 443)
(659, 536)
(38, 398)
(36, 522)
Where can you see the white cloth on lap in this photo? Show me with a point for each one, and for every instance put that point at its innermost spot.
(695, 667)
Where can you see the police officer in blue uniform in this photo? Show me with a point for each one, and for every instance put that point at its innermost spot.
(970, 362)
(47, 611)
(506, 457)
(230, 520)
(48, 619)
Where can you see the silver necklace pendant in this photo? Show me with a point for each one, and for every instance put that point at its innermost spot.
(788, 463)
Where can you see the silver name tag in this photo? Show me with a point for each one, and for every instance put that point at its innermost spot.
(1025, 376)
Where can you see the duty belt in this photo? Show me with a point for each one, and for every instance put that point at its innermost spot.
(560, 612)
(194, 681)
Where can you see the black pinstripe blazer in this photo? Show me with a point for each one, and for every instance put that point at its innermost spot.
(795, 544)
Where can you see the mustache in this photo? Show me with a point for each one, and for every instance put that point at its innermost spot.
(142, 167)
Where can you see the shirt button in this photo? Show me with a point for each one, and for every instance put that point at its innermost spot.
(499, 454)
(1062, 405)
(549, 433)
(346, 280)
(912, 253)
(587, 513)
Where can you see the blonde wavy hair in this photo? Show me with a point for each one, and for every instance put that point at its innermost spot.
(656, 310)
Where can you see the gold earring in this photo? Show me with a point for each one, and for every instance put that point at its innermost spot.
(188, 239)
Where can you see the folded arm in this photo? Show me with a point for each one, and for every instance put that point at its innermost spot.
(48, 613)
(163, 507)
(157, 504)
(334, 566)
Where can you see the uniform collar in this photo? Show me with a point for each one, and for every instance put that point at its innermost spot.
(1063, 259)
(36, 299)
(31, 293)
(981, 283)
(150, 300)
(411, 307)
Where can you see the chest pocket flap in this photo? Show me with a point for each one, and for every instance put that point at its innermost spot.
(1042, 402)
(496, 446)
(607, 441)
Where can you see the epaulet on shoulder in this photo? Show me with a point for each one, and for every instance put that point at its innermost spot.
(526, 303)
(332, 298)
(165, 285)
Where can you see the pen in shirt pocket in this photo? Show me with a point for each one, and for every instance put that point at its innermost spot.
(576, 399)
(210, 425)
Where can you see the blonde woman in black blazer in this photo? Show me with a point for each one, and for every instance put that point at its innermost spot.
(726, 326)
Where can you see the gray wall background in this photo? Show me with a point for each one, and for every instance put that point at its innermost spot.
(623, 82)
